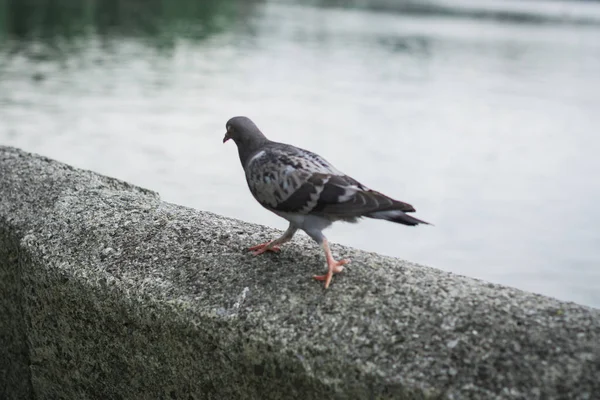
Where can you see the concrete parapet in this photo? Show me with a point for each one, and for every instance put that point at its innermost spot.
(108, 292)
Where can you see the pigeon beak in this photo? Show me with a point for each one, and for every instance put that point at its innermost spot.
(226, 138)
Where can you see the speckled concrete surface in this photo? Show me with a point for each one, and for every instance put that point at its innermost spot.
(108, 292)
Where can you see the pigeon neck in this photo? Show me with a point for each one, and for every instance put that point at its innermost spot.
(249, 149)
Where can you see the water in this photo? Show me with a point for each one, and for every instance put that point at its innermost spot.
(484, 117)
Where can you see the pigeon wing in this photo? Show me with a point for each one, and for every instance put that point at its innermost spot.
(288, 179)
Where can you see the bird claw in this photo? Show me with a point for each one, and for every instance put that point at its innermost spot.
(335, 267)
(263, 248)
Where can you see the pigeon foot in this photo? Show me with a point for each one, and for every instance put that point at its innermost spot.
(335, 267)
(263, 248)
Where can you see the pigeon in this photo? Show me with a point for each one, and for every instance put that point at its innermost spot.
(307, 190)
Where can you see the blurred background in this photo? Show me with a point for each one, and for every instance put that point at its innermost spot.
(484, 114)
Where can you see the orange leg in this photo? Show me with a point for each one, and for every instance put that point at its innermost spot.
(333, 266)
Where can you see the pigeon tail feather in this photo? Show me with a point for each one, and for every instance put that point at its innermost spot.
(397, 216)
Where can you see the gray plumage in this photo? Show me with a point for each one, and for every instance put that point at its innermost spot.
(304, 188)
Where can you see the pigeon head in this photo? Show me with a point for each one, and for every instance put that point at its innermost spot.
(246, 136)
(243, 131)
